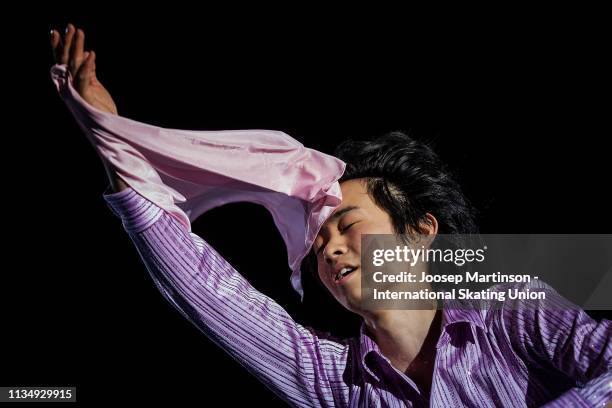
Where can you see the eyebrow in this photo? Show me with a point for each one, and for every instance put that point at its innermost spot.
(343, 211)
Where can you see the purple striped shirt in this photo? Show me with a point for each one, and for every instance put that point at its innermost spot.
(510, 358)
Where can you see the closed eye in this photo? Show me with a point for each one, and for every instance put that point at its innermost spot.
(343, 229)
(348, 226)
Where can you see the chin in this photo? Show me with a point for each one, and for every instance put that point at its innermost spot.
(352, 302)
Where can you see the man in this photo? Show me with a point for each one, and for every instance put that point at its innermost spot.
(392, 185)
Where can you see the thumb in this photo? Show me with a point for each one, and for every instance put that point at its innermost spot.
(87, 70)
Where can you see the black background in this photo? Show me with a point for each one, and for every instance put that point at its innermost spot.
(514, 106)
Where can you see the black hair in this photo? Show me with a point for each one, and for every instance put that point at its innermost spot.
(407, 179)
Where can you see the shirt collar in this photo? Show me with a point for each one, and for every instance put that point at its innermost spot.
(367, 346)
(456, 313)
(453, 313)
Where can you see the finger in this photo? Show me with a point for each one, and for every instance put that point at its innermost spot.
(56, 46)
(87, 71)
(67, 43)
(76, 51)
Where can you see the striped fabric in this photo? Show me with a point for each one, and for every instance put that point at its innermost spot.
(509, 358)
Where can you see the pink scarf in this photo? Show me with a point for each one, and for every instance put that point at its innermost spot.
(189, 172)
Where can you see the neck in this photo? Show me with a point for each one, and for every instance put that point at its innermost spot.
(408, 339)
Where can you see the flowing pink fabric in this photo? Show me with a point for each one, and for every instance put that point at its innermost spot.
(189, 172)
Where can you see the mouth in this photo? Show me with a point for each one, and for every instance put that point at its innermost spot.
(346, 271)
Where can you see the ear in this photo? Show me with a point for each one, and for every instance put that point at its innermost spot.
(429, 227)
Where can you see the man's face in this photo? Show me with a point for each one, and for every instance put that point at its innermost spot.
(338, 243)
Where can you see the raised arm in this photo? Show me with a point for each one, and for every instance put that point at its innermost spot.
(302, 366)
(70, 50)
(295, 362)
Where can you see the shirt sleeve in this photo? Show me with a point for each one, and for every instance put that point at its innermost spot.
(562, 334)
(297, 364)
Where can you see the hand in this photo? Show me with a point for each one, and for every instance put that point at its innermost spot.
(82, 66)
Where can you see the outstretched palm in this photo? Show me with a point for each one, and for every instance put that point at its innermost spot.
(82, 66)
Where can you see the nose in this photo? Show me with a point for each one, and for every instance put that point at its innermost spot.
(333, 250)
